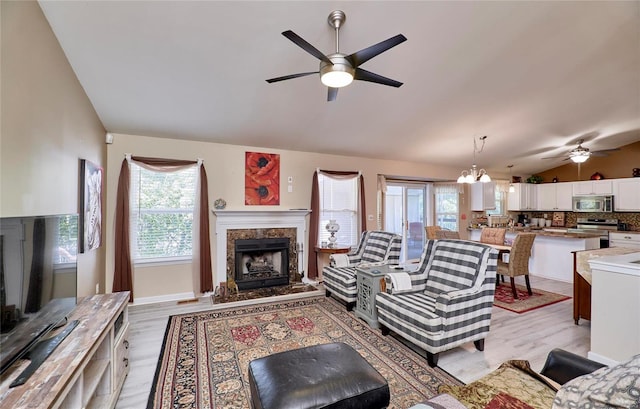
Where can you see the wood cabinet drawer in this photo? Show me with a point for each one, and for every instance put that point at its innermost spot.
(121, 358)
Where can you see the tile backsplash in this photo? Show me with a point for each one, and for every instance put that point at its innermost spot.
(632, 219)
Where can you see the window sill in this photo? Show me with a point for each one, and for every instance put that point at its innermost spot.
(161, 262)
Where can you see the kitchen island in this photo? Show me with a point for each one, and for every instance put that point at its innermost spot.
(551, 255)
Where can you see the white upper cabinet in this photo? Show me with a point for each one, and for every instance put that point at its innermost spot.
(626, 195)
(524, 197)
(555, 196)
(483, 196)
(593, 187)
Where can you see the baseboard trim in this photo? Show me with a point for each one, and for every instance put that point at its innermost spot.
(602, 359)
(164, 298)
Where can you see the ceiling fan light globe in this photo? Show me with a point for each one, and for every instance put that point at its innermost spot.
(469, 179)
(580, 158)
(485, 178)
(336, 79)
(461, 179)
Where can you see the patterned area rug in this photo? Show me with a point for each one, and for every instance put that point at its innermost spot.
(525, 302)
(205, 356)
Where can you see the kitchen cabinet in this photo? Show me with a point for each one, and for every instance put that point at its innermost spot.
(483, 196)
(524, 197)
(555, 196)
(593, 187)
(625, 239)
(626, 195)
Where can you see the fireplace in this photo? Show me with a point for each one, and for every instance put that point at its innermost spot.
(261, 262)
(234, 225)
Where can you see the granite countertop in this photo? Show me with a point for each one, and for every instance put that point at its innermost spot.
(539, 231)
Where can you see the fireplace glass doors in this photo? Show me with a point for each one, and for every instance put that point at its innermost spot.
(261, 262)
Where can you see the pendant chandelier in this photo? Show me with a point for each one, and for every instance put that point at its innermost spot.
(473, 174)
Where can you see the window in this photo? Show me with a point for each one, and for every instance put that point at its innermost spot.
(339, 202)
(161, 212)
(446, 198)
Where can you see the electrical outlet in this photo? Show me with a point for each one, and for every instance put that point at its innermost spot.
(98, 288)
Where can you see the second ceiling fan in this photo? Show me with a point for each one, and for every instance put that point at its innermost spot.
(338, 70)
(580, 154)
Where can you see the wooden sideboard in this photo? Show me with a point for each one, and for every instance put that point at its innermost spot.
(88, 369)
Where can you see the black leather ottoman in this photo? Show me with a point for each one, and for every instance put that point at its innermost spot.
(322, 376)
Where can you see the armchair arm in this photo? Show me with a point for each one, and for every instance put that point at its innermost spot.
(562, 366)
(418, 280)
(446, 301)
(371, 264)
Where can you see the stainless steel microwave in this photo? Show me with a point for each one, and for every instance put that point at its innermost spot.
(593, 203)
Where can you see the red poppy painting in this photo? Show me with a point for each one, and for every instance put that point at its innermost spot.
(262, 179)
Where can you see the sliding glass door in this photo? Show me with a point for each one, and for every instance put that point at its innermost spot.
(405, 214)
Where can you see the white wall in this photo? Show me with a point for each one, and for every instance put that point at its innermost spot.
(47, 125)
(225, 170)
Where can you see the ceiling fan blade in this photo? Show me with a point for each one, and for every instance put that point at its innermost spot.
(332, 94)
(556, 157)
(302, 43)
(604, 152)
(289, 77)
(364, 75)
(362, 56)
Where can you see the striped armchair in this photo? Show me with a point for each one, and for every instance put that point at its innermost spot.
(375, 248)
(451, 298)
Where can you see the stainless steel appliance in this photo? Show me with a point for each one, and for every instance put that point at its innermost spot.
(601, 226)
(593, 203)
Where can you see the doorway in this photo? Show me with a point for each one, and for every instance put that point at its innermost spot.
(405, 211)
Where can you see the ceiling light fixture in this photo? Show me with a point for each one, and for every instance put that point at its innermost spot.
(512, 188)
(472, 175)
(338, 75)
(579, 156)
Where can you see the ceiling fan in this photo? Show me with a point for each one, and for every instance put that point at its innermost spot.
(580, 154)
(338, 70)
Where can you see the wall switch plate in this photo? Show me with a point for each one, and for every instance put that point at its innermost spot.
(290, 188)
(98, 288)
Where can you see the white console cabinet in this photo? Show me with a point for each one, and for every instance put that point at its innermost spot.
(87, 369)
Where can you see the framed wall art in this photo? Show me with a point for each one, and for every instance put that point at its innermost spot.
(261, 179)
(91, 206)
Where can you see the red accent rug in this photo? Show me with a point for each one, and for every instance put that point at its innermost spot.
(525, 302)
(205, 356)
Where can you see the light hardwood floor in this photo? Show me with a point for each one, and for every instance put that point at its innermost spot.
(527, 336)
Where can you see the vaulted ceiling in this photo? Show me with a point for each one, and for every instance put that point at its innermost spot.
(533, 76)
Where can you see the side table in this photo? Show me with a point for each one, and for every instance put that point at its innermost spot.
(368, 282)
(323, 253)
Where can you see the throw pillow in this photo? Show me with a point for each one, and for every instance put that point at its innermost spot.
(617, 386)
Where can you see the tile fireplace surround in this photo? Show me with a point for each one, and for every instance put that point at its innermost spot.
(233, 224)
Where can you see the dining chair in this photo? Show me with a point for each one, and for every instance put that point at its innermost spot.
(447, 234)
(493, 235)
(431, 232)
(518, 261)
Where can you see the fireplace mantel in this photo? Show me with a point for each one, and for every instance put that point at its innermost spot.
(257, 219)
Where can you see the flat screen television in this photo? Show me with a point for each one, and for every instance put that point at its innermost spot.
(38, 275)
